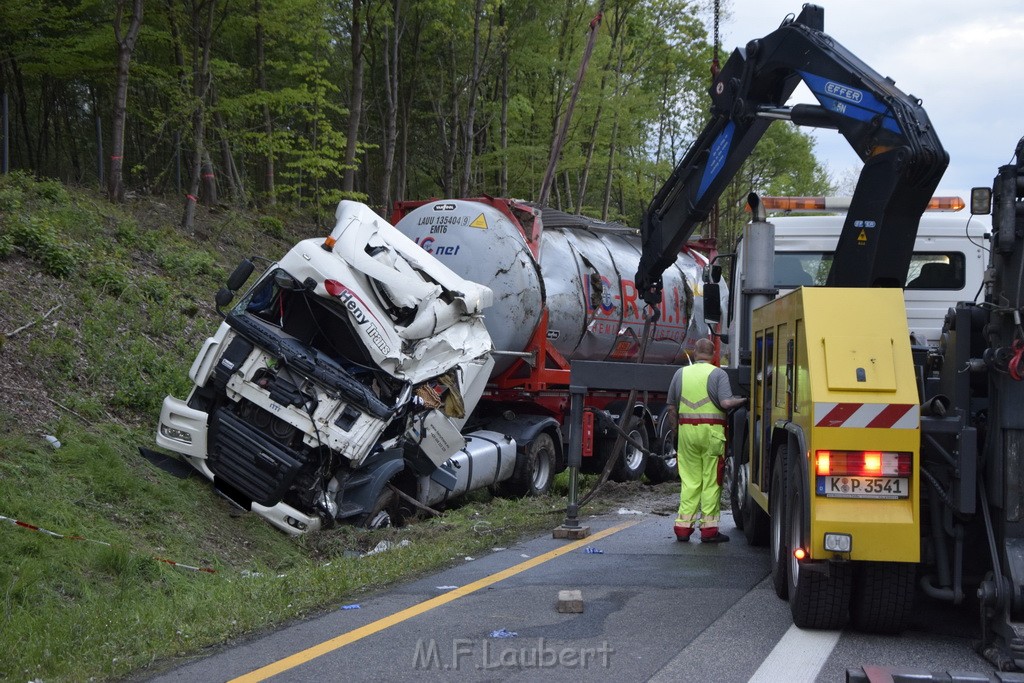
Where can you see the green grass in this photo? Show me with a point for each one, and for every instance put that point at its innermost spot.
(110, 610)
(112, 304)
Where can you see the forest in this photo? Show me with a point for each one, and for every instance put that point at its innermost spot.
(296, 104)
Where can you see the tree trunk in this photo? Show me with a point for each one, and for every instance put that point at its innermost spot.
(268, 126)
(616, 31)
(469, 134)
(125, 47)
(563, 130)
(391, 80)
(227, 160)
(503, 78)
(401, 183)
(356, 99)
(19, 86)
(202, 29)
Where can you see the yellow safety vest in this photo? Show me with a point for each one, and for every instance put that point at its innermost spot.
(695, 406)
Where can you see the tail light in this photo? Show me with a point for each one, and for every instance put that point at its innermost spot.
(863, 463)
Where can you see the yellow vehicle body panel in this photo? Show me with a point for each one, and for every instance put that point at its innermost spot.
(834, 365)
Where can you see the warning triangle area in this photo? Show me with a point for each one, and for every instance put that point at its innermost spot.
(479, 222)
(863, 237)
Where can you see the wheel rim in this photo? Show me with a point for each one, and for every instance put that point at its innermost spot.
(381, 520)
(633, 456)
(776, 527)
(541, 470)
(742, 478)
(794, 542)
(668, 447)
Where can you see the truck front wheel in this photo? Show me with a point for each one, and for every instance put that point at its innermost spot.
(384, 512)
(779, 555)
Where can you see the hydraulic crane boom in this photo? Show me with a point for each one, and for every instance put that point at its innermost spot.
(888, 129)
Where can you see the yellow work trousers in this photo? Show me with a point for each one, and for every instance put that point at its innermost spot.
(698, 450)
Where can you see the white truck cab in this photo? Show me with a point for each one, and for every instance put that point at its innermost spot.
(948, 263)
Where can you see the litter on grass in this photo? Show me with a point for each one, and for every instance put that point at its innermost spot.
(387, 545)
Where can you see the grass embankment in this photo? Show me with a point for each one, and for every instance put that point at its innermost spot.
(101, 311)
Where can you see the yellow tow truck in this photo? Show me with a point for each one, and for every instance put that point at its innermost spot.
(877, 469)
(835, 426)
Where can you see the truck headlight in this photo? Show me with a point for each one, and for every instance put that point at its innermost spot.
(838, 543)
(176, 434)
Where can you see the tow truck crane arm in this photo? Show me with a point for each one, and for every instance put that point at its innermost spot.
(888, 129)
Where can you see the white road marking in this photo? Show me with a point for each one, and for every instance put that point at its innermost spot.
(798, 656)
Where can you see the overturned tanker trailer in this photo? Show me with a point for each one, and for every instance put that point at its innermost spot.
(357, 379)
(563, 291)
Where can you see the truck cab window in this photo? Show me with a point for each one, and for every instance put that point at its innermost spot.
(936, 271)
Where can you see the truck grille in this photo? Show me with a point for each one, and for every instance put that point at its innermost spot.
(246, 460)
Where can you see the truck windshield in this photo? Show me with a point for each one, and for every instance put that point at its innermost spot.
(928, 270)
(316, 321)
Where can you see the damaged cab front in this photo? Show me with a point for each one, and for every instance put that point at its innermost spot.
(351, 362)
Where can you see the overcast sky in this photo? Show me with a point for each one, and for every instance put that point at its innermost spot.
(964, 61)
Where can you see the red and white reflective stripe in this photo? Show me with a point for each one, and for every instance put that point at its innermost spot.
(54, 534)
(867, 415)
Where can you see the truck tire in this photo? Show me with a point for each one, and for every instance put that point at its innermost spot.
(534, 470)
(778, 555)
(662, 469)
(883, 596)
(755, 522)
(384, 511)
(737, 474)
(631, 461)
(819, 597)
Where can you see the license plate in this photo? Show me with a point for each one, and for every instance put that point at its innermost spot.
(863, 487)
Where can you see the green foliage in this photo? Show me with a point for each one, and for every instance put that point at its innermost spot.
(40, 240)
(6, 245)
(272, 226)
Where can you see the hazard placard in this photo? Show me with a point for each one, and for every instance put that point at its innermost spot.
(479, 222)
(862, 237)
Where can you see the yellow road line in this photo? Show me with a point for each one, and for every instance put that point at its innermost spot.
(344, 639)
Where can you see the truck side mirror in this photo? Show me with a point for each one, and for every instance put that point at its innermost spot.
(240, 274)
(223, 297)
(237, 278)
(712, 274)
(981, 201)
(712, 303)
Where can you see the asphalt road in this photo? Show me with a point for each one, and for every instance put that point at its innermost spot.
(654, 609)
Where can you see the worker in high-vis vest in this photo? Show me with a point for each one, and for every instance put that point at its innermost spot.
(703, 395)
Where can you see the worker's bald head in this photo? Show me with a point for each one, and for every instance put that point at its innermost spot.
(704, 349)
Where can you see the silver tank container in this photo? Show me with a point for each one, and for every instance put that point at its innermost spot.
(583, 273)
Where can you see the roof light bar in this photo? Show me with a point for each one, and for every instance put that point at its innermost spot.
(840, 204)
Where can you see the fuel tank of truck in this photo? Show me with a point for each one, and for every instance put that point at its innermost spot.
(580, 269)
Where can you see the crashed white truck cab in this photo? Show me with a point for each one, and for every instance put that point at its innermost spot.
(339, 384)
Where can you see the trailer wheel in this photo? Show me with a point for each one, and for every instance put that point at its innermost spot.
(779, 538)
(883, 596)
(819, 597)
(630, 461)
(662, 469)
(534, 469)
